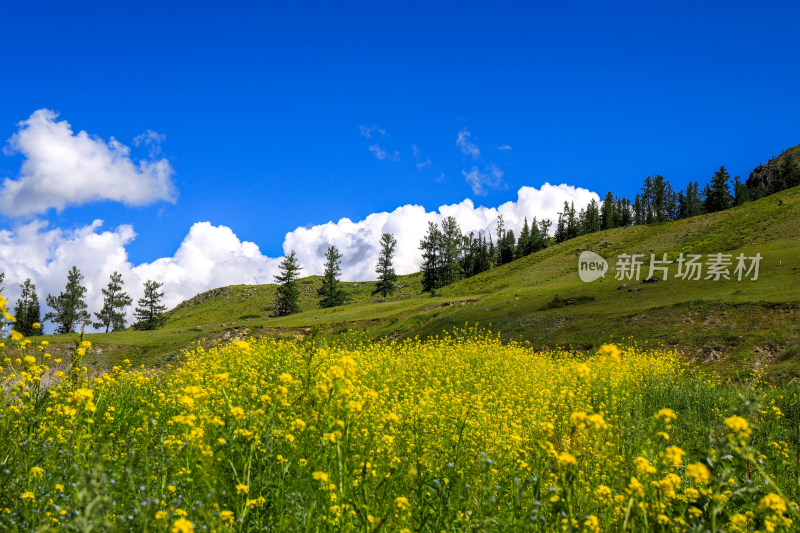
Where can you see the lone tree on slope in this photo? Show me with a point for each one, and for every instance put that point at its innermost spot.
(69, 307)
(115, 300)
(384, 269)
(288, 294)
(331, 292)
(149, 312)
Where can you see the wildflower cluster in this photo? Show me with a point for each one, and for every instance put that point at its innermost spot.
(455, 433)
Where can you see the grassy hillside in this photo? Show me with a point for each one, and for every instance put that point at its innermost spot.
(736, 327)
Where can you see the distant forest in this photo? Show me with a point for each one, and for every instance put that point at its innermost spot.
(448, 255)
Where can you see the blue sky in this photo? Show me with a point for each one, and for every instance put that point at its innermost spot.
(261, 104)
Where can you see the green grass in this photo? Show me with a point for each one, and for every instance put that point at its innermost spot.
(733, 327)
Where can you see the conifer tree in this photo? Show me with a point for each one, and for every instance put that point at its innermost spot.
(2, 277)
(607, 217)
(524, 240)
(741, 193)
(27, 311)
(717, 193)
(451, 251)
(149, 311)
(694, 204)
(115, 300)
(384, 268)
(561, 229)
(507, 248)
(288, 293)
(331, 292)
(430, 245)
(69, 307)
(573, 228)
(591, 218)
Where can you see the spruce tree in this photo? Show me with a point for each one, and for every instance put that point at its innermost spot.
(524, 240)
(430, 245)
(384, 269)
(573, 227)
(507, 248)
(451, 251)
(741, 193)
(717, 193)
(69, 307)
(331, 292)
(115, 300)
(607, 212)
(27, 311)
(591, 218)
(149, 312)
(288, 294)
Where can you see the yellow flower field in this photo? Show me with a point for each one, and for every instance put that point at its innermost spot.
(459, 433)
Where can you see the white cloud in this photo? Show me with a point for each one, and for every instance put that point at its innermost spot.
(382, 154)
(504, 148)
(152, 140)
(465, 144)
(209, 256)
(358, 241)
(62, 168)
(213, 256)
(367, 131)
(490, 177)
(421, 162)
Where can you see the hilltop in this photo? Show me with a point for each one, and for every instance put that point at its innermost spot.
(734, 327)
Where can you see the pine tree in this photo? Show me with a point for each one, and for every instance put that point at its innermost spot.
(501, 236)
(560, 234)
(694, 204)
(331, 292)
(741, 193)
(591, 218)
(27, 311)
(543, 240)
(149, 312)
(451, 251)
(507, 248)
(69, 307)
(2, 277)
(384, 269)
(573, 228)
(431, 245)
(639, 216)
(288, 294)
(115, 300)
(717, 192)
(607, 212)
(524, 240)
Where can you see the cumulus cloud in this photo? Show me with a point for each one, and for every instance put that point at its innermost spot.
(213, 256)
(465, 144)
(382, 154)
(64, 168)
(209, 256)
(358, 241)
(491, 177)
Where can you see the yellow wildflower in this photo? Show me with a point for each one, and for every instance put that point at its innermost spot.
(182, 525)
